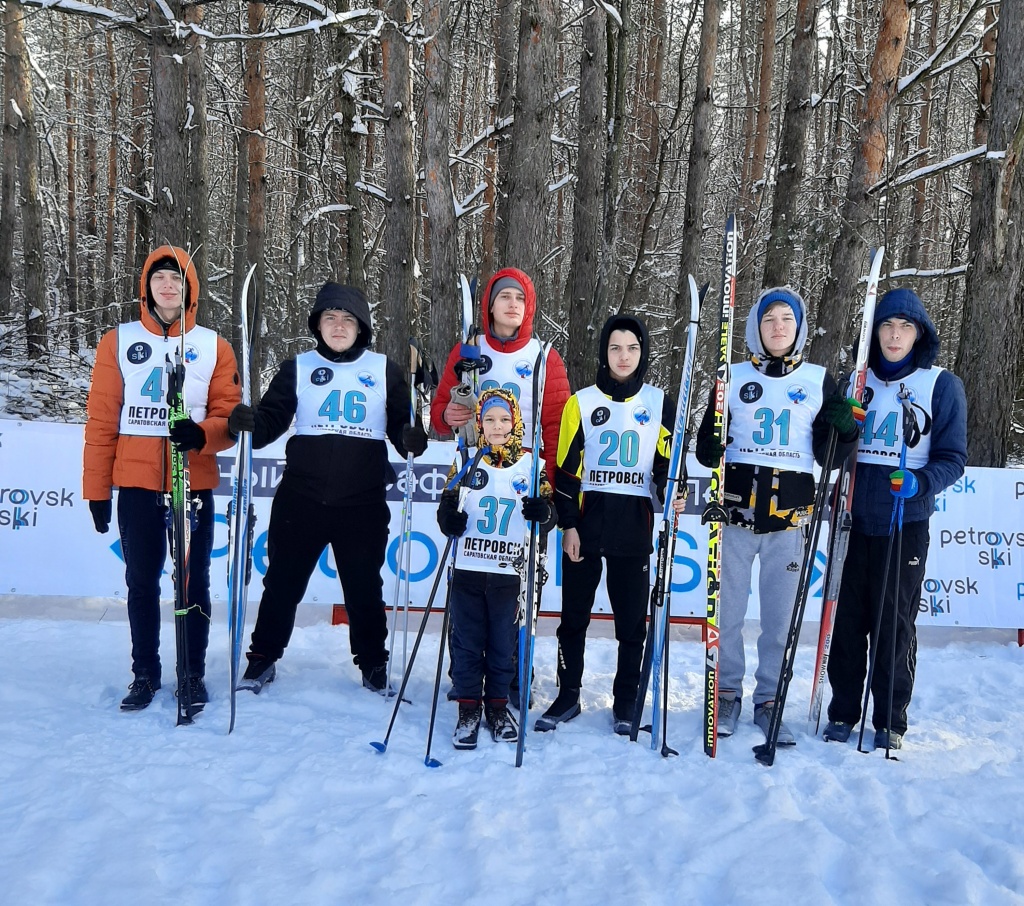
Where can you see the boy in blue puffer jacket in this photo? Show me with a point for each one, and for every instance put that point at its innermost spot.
(902, 357)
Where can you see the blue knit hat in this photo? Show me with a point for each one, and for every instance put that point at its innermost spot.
(780, 294)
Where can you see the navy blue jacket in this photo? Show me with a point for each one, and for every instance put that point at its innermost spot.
(872, 500)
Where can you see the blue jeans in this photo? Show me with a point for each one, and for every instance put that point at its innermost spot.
(484, 607)
(142, 521)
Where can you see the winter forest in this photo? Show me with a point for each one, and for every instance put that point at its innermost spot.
(598, 145)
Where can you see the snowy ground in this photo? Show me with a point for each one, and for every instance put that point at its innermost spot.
(100, 807)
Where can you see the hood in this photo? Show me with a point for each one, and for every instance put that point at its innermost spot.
(780, 294)
(526, 328)
(338, 297)
(512, 449)
(191, 283)
(906, 303)
(605, 382)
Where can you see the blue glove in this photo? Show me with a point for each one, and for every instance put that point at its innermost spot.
(903, 483)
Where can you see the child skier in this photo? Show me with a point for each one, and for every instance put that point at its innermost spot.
(485, 585)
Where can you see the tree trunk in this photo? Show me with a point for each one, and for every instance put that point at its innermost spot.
(89, 286)
(506, 29)
(170, 147)
(8, 172)
(211, 313)
(108, 291)
(24, 134)
(698, 168)
(858, 219)
(440, 198)
(528, 203)
(785, 228)
(139, 219)
(584, 309)
(396, 311)
(71, 171)
(254, 125)
(920, 240)
(993, 331)
(617, 69)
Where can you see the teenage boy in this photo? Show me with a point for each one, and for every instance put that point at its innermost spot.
(128, 445)
(613, 449)
(508, 355)
(345, 401)
(781, 410)
(901, 364)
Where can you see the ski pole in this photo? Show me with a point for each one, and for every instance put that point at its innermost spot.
(765, 753)
(383, 746)
(911, 435)
(910, 430)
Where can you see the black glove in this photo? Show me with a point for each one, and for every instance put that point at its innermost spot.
(101, 511)
(450, 519)
(536, 509)
(839, 413)
(414, 439)
(709, 450)
(242, 418)
(187, 435)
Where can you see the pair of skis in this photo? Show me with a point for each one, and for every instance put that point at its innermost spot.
(422, 381)
(655, 659)
(532, 582)
(715, 515)
(241, 511)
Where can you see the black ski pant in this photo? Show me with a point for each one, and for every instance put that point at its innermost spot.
(483, 634)
(860, 595)
(299, 531)
(143, 521)
(629, 588)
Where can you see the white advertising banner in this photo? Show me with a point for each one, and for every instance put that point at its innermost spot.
(48, 545)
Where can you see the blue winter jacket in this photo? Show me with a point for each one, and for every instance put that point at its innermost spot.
(872, 500)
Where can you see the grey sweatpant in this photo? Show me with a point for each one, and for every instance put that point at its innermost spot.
(781, 554)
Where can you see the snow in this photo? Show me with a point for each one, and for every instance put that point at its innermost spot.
(296, 807)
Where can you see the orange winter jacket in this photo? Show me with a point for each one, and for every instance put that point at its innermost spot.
(134, 461)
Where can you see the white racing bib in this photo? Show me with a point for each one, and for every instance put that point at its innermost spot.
(881, 438)
(142, 358)
(496, 527)
(620, 440)
(348, 398)
(770, 418)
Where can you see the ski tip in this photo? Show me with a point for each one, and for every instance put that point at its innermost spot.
(381, 747)
(432, 762)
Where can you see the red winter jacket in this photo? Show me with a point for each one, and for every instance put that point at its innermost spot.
(556, 383)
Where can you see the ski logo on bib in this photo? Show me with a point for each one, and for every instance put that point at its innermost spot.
(485, 364)
(868, 396)
(642, 415)
(600, 415)
(321, 376)
(478, 480)
(797, 393)
(751, 392)
(520, 484)
(367, 379)
(524, 369)
(139, 353)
